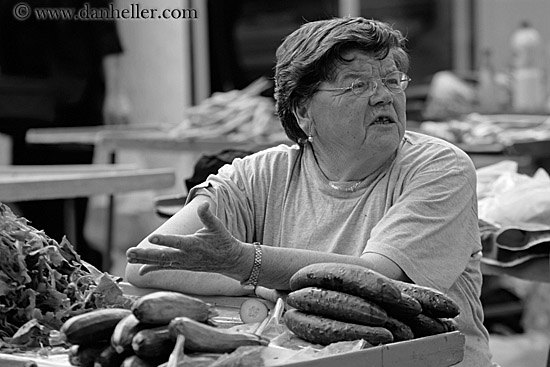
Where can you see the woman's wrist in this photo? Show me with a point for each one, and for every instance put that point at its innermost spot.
(252, 280)
(239, 265)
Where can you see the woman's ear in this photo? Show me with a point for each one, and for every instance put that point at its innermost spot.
(302, 115)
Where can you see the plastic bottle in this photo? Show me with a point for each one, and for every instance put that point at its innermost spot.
(528, 81)
(486, 84)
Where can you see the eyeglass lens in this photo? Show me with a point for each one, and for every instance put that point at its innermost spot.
(396, 82)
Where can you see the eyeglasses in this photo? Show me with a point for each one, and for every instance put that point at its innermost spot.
(395, 82)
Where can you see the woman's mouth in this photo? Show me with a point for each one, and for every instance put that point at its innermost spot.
(382, 120)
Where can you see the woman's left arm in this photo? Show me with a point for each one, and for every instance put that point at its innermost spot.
(213, 249)
(431, 231)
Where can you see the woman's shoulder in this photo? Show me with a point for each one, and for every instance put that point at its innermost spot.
(266, 161)
(421, 139)
(421, 148)
(278, 154)
(280, 150)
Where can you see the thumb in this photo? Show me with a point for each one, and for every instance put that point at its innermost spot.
(208, 219)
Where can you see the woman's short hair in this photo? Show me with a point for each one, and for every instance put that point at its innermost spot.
(310, 55)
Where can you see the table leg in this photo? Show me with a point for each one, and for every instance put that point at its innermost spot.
(69, 219)
(110, 234)
(107, 261)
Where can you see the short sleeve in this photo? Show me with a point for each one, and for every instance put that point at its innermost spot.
(233, 206)
(431, 231)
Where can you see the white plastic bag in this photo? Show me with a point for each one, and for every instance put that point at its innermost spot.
(510, 199)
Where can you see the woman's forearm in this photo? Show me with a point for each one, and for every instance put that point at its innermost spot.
(279, 264)
(186, 282)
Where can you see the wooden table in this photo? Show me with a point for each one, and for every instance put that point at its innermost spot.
(162, 141)
(140, 137)
(87, 135)
(158, 137)
(25, 183)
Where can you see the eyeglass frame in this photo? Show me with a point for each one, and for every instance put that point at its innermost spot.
(405, 77)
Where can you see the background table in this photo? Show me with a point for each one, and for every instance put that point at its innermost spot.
(25, 183)
(141, 137)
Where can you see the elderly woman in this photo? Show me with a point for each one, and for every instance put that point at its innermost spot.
(356, 188)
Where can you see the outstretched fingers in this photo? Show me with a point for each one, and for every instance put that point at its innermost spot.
(162, 257)
(172, 251)
(168, 240)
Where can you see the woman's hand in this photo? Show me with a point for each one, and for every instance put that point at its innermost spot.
(210, 249)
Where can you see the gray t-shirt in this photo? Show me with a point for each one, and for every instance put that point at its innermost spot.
(420, 210)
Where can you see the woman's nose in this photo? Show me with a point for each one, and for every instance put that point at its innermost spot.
(381, 95)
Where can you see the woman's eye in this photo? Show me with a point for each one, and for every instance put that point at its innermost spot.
(393, 82)
(359, 85)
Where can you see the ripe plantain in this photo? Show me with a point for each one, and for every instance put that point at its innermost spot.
(92, 327)
(153, 342)
(162, 306)
(121, 339)
(201, 337)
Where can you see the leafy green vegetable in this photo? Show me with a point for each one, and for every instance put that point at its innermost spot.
(43, 283)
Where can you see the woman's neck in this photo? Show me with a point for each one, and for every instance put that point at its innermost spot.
(341, 167)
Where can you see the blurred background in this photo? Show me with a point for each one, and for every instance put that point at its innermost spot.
(464, 54)
(231, 43)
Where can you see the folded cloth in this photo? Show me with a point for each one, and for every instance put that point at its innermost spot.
(516, 239)
(512, 246)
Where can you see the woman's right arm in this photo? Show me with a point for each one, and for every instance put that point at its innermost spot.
(184, 222)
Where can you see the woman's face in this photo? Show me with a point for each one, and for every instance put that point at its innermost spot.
(366, 127)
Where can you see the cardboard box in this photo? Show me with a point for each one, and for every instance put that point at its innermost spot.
(432, 351)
